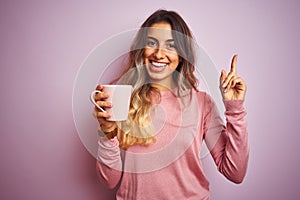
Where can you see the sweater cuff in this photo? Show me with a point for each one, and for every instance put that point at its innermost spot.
(234, 105)
(109, 142)
(109, 152)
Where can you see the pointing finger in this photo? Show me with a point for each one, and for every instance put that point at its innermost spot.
(233, 63)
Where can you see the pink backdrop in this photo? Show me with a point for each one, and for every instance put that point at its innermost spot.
(43, 44)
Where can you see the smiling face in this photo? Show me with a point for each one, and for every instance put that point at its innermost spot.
(160, 56)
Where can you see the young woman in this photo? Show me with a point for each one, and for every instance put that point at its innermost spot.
(155, 153)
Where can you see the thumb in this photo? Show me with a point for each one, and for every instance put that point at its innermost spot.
(222, 77)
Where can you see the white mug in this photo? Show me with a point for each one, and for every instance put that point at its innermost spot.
(119, 97)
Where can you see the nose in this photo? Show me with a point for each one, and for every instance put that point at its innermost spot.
(159, 53)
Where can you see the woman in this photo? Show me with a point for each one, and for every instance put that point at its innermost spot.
(155, 154)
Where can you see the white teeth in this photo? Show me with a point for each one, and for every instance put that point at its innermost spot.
(157, 64)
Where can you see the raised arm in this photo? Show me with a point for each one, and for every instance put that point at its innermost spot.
(229, 144)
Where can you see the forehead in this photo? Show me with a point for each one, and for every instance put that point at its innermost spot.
(162, 31)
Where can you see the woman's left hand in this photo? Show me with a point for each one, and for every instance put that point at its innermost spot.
(232, 87)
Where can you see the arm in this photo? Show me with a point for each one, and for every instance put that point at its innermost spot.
(109, 163)
(228, 144)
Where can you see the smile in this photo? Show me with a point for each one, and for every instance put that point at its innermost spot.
(157, 66)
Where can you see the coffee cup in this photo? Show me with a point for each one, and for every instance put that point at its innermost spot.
(119, 97)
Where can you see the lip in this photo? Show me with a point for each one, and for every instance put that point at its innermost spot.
(156, 66)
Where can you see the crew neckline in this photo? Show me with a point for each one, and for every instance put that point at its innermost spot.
(174, 92)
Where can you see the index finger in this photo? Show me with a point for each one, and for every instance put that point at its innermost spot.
(99, 87)
(233, 63)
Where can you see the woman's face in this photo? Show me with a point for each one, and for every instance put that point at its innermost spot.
(160, 55)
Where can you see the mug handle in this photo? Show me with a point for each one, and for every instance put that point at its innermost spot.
(92, 97)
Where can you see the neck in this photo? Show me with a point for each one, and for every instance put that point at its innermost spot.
(163, 87)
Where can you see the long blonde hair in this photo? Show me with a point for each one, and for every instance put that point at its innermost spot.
(136, 130)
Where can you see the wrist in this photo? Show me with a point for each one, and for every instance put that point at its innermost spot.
(234, 105)
(108, 133)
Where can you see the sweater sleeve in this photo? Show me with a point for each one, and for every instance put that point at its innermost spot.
(228, 144)
(109, 163)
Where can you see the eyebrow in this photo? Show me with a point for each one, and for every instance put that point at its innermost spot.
(153, 38)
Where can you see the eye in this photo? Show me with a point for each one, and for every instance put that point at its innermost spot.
(151, 43)
(171, 46)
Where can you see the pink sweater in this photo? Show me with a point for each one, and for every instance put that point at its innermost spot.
(171, 168)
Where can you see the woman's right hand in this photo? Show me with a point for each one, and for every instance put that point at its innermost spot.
(106, 126)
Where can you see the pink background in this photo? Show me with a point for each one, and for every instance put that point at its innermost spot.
(43, 44)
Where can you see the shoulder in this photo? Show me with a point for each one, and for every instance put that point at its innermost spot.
(202, 96)
(204, 101)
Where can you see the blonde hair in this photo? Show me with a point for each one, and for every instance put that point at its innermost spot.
(137, 130)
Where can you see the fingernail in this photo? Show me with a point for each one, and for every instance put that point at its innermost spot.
(223, 85)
